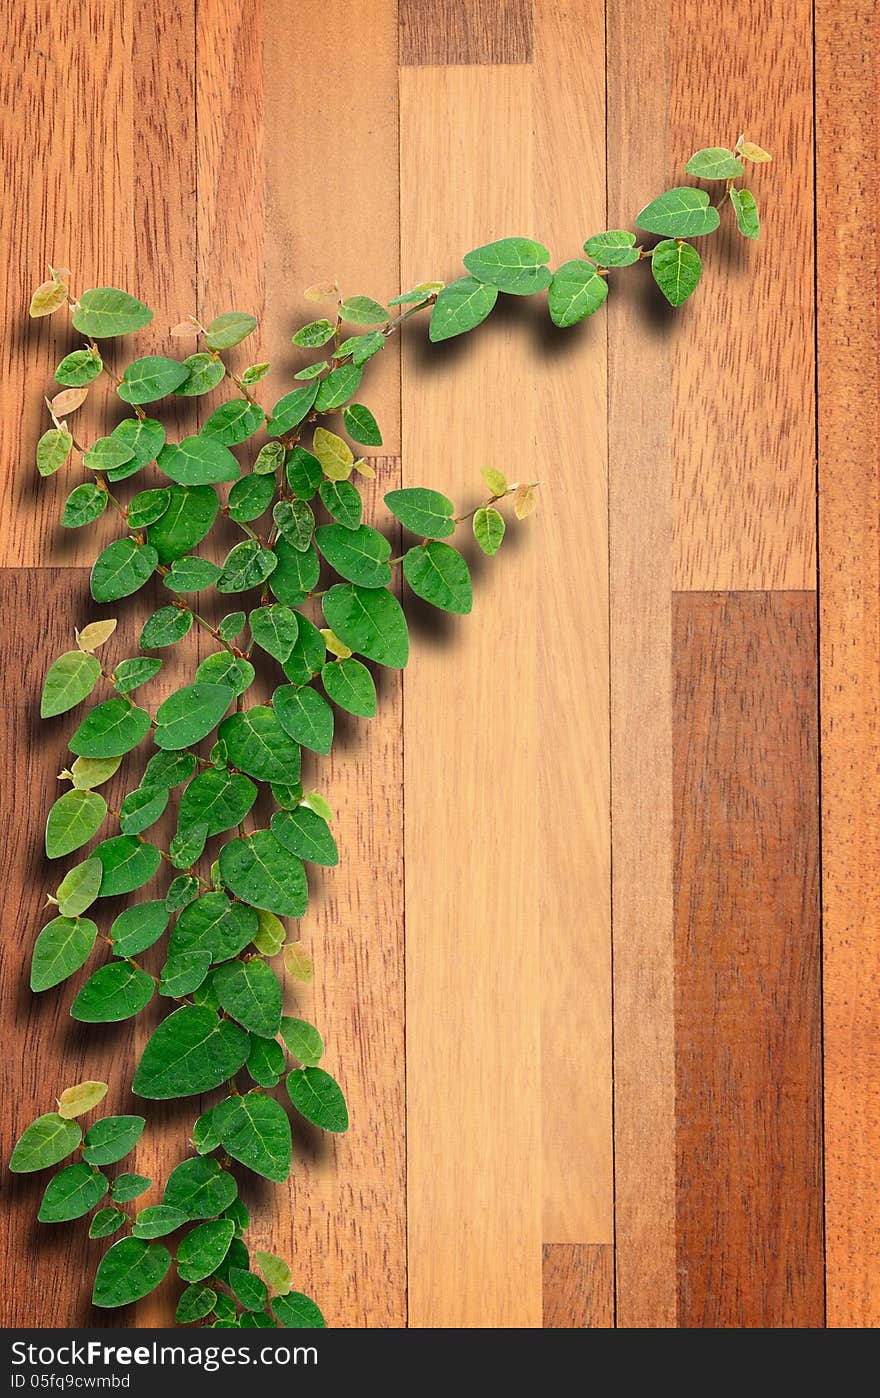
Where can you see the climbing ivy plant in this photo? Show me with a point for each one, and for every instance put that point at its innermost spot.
(314, 599)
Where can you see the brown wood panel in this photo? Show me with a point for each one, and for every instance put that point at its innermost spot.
(571, 456)
(578, 1286)
(473, 947)
(465, 31)
(848, 102)
(747, 969)
(640, 526)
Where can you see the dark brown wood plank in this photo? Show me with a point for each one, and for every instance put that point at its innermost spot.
(848, 175)
(747, 973)
(465, 31)
(578, 1286)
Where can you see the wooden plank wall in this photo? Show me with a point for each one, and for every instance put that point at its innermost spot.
(600, 791)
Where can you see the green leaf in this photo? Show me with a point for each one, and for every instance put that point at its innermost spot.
(362, 347)
(308, 654)
(199, 461)
(188, 519)
(247, 565)
(128, 1271)
(576, 291)
(142, 808)
(361, 426)
(191, 574)
(302, 1040)
(146, 380)
(138, 927)
(616, 248)
(439, 574)
(84, 505)
(191, 1051)
(157, 1221)
(305, 715)
(746, 210)
(106, 453)
(257, 744)
(311, 371)
(148, 506)
(205, 1137)
(45, 1142)
(231, 626)
(342, 500)
(131, 674)
(255, 1130)
(128, 863)
(168, 769)
(251, 497)
(204, 372)
(184, 973)
(187, 846)
(127, 1187)
(231, 670)
(62, 947)
(73, 820)
(318, 1098)
(266, 1062)
(515, 265)
(294, 1311)
(116, 991)
(109, 1139)
(313, 335)
(295, 523)
(337, 388)
(53, 449)
(106, 1221)
(234, 422)
(250, 1290)
(275, 1270)
(200, 1188)
(79, 888)
(190, 714)
(194, 1304)
(272, 934)
(110, 729)
(303, 473)
(218, 799)
(250, 992)
(165, 627)
(461, 306)
(275, 629)
(229, 329)
(714, 163)
(260, 872)
(79, 368)
(143, 436)
(350, 685)
(362, 310)
(676, 269)
(305, 834)
(359, 555)
(679, 213)
(121, 569)
(215, 924)
(292, 409)
(369, 620)
(89, 772)
(105, 311)
(489, 530)
(71, 1193)
(425, 512)
(296, 573)
(69, 680)
(203, 1249)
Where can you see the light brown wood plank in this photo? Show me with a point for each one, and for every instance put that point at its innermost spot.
(747, 970)
(847, 98)
(741, 360)
(465, 31)
(473, 947)
(571, 458)
(640, 522)
(578, 1286)
(331, 200)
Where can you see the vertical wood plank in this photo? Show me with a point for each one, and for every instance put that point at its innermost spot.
(748, 1050)
(578, 1286)
(571, 457)
(640, 532)
(848, 183)
(473, 1030)
(465, 31)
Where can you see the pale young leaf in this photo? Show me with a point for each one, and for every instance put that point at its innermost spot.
(495, 480)
(75, 1101)
(319, 804)
(48, 297)
(322, 291)
(185, 329)
(95, 634)
(333, 643)
(756, 154)
(524, 501)
(297, 962)
(365, 468)
(68, 400)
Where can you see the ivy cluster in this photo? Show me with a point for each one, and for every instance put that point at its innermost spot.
(321, 608)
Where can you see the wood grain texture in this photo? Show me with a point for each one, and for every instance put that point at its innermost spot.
(571, 456)
(473, 948)
(848, 102)
(747, 968)
(466, 31)
(578, 1286)
(640, 541)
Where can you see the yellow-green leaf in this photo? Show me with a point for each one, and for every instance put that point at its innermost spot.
(95, 634)
(495, 480)
(334, 454)
(76, 1101)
